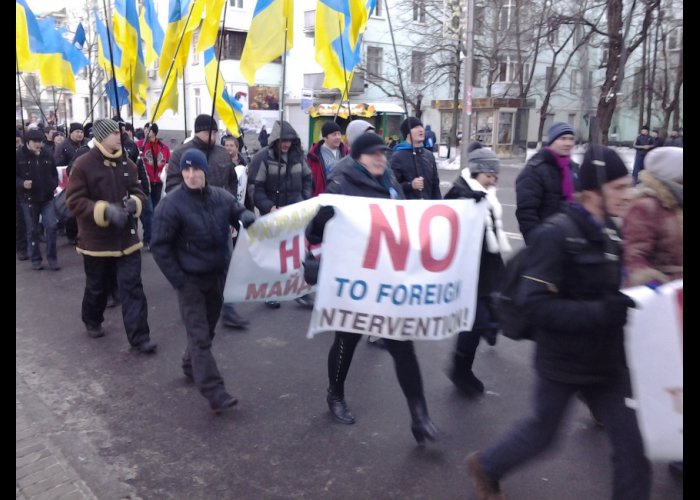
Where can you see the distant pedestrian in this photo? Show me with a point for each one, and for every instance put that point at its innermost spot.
(642, 144)
(191, 247)
(430, 139)
(676, 138)
(323, 156)
(262, 137)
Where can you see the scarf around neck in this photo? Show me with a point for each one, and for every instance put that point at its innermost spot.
(494, 235)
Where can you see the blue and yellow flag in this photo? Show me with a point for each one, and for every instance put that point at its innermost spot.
(169, 99)
(122, 93)
(265, 41)
(230, 110)
(131, 72)
(79, 37)
(27, 37)
(339, 25)
(178, 13)
(151, 32)
(210, 24)
(103, 46)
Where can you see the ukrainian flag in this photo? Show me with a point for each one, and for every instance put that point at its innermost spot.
(27, 37)
(265, 41)
(210, 24)
(131, 72)
(151, 32)
(230, 110)
(339, 24)
(177, 24)
(103, 45)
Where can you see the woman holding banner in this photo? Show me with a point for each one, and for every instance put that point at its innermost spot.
(368, 177)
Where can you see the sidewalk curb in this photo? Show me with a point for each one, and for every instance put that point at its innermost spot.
(53, 462)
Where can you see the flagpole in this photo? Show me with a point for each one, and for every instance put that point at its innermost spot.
(55, 109)
(345, 78)
(284, 70)
(37, 101)
(170, 69)
(131, 97)
(21, 104)
(216, 86)
(403, 93)
(111, 58)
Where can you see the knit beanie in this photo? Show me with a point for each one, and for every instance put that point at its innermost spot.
(483, 161)
(194, 158)
(614, 168)
(368, 143)
(665, 163)
(103, 127)
(355, 129)
(75, 126)
(205, 123)
(408, 124)
(557, 130)
(329, 128)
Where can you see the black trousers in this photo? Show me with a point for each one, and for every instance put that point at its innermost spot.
(99, 275)
(200, 300)
(632, 473)
(405, 364)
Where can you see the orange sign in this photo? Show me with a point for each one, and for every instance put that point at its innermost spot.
(356, 109)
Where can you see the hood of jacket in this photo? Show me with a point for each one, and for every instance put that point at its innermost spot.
(405, 146)
(285, 132)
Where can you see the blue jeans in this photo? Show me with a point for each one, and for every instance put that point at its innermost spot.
(31, 219)
(631, 469)
(147, 220)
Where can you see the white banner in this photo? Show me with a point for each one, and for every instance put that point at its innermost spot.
(654, 345)
(267, 258)
(399, 269)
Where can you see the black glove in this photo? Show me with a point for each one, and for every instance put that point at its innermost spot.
(247, 218)
(478, 195)
(116, 215)
(130, 206)
(311, 266)
(615, 309)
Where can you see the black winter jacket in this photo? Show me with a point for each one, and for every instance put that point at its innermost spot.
(405, 170)
(64, 153)
(191, 233)
(567, 280)
(491, 266)
(222, 171)
(40, 169)
(538, 191)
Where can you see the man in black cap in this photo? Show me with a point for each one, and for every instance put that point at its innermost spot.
(106, 198)
(413, 165)
(323, 155)
(547, 181)
(572, 296)
(65, 152)
(36, 179)
(221, 173)
(190, 228)
(642, 144)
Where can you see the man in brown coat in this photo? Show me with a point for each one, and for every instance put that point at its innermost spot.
(106, 198)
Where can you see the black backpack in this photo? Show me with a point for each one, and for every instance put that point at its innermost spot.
(509, 313)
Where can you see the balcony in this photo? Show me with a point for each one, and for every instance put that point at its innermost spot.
(314, 81)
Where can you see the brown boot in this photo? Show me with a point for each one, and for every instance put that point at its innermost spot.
(485, 487)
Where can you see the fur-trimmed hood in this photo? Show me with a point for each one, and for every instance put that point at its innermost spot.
(670, 194)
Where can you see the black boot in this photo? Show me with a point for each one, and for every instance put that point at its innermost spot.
(230, 318)
(338, 407)
(421, 425)
(462, 376)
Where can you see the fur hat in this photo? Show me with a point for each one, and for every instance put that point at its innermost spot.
(103, 127)
(483, 161)
(409, 124)
(194, 158)
(329, 128)
(204, 123)
(34, 135)
(368, 143)
(355, 129)
(665, 163)
(614, 167)
(557, 130)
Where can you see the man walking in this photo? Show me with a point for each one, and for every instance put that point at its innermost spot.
(106, 198)
(413, 165)
(324, 155)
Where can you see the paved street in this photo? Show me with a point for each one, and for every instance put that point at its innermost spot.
(95, 420)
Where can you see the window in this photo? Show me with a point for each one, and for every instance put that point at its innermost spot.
(478, 20)
(510, 71)
(195, 54)
(69, 108)
(197, 102)
(575, 83)
(418, 11)
(476, 72)
(604, 55)
(675, 38)
(553, 35)
(572, 120)
(550, 76)
(505, 15)
(577, 34)
(379, 8)
(636, 88)
(233, 44)
(417, 67)
(86, 104)
(309, 21)
(505, 127)
(238, 4)
(374, 62)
